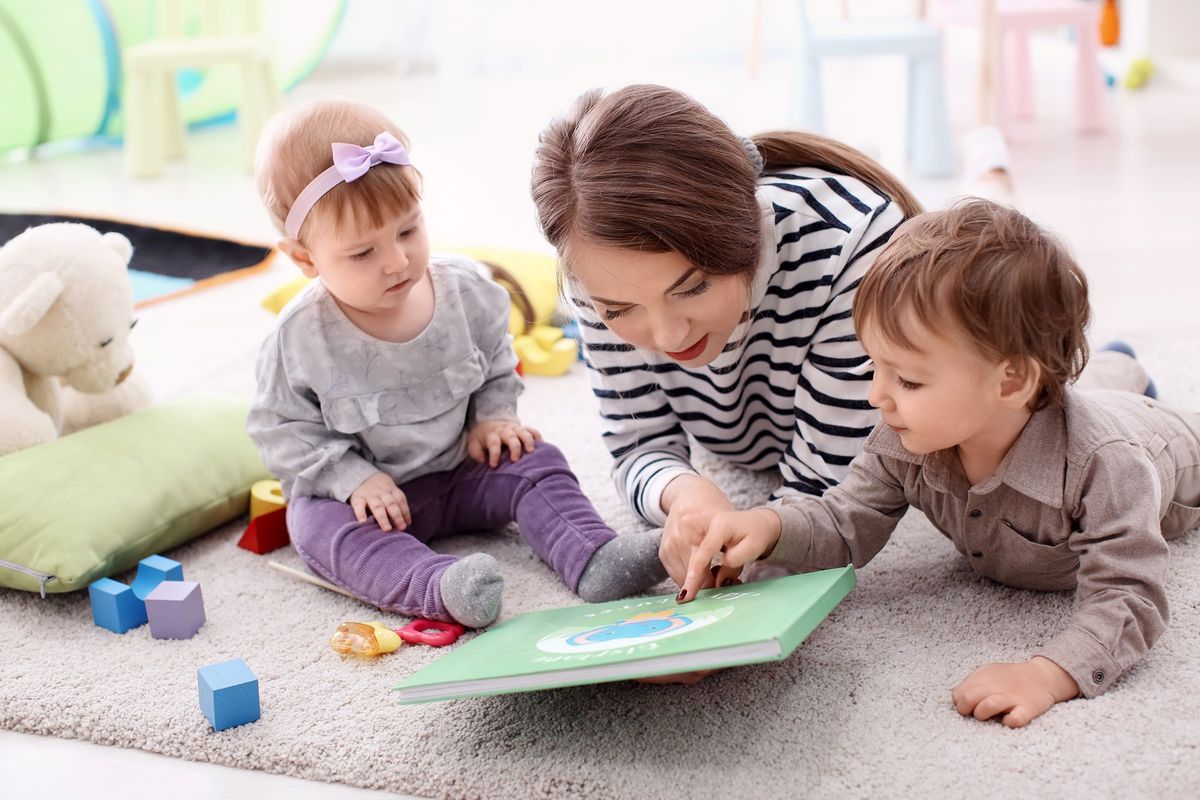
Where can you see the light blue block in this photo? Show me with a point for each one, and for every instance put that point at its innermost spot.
(115, 606)
(153, 570)
(228, 693)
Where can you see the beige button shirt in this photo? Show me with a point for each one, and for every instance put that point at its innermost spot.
(1085, 499)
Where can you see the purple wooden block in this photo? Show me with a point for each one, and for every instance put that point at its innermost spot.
(175, 610)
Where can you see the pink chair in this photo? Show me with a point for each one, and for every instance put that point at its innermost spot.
(1006, 25)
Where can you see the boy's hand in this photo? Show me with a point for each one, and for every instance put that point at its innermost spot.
(743, 536)
(1020, 692)
(379, 496)
(490, 438)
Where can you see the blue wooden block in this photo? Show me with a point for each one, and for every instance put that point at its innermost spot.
(175, 610)
(153, 570)
(115, 606)
(228, 693)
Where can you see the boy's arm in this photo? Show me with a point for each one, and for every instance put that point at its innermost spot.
(293, 440)
(1120, 600)
(849, 524)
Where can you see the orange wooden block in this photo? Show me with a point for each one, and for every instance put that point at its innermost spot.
(266, 532)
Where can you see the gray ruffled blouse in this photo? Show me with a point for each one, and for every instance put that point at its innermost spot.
(334, 404)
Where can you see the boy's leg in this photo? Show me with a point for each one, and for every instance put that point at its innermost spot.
(541, 494)
(1183, 514)
(395, 571)
(1115, 366)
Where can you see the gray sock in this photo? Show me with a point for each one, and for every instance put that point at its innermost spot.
(471, 589)
(626, 565)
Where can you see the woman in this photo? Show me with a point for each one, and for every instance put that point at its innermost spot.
(712, 277)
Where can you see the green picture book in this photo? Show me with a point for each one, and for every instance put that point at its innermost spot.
(634, 638)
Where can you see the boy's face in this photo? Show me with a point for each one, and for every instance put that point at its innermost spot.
(372, 270)
(937, 395)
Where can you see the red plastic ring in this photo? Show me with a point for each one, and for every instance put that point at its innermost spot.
(431, 632)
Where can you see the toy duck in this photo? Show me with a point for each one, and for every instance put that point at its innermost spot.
(545, 351)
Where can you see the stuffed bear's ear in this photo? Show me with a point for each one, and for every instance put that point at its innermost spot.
(120, 245)
(27, 309)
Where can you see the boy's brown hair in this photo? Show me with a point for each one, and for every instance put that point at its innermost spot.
(987, 272)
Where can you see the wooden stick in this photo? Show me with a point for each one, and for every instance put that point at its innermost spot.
(989, 61)
(304, 576)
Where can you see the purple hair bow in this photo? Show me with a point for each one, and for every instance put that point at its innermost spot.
(350, 162)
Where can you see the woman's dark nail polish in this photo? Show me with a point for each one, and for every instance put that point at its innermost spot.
(682, 594)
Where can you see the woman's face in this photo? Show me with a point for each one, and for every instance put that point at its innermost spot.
(660, 301)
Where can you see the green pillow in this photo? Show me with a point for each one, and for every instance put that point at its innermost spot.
(96, 502)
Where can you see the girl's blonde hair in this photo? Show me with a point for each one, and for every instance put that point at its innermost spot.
(296, 147)
(648, 168)
(987, 274)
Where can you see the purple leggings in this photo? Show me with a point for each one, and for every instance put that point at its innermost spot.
(397, 572)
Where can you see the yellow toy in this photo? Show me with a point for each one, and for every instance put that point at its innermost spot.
(1139, 72)
(276, 300)
(265, 497)
(529, 278)
(533, 286)
(364, 639)
(545, 351)
(370, 639)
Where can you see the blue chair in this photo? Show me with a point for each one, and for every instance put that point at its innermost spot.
(928, 139)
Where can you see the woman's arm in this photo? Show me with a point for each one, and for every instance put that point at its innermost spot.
(833, 417)
(647, 442)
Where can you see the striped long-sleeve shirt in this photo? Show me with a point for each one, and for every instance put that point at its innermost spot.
(790, 387)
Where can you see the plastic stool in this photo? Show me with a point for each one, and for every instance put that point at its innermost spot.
(154, 127)
(929, 141)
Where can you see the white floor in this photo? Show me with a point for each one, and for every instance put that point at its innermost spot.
(31, 766)
(1125, 200)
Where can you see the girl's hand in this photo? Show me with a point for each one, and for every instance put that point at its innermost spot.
(490, 439)
(743, 536)
(379, 495)
(1019, 692)
(690, 502)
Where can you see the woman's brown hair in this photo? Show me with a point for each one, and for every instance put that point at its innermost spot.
(648, 168)
(987, 274)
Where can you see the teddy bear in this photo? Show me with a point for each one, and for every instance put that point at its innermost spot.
(66, 310)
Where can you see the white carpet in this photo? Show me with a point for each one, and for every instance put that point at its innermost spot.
(861, 709)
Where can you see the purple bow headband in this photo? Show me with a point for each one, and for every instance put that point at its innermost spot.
(350, 162)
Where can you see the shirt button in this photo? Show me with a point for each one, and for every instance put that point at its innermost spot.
(1098, 676)
(976, 514)
(977, 554)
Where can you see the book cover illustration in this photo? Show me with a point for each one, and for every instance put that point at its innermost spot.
(634, 638)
